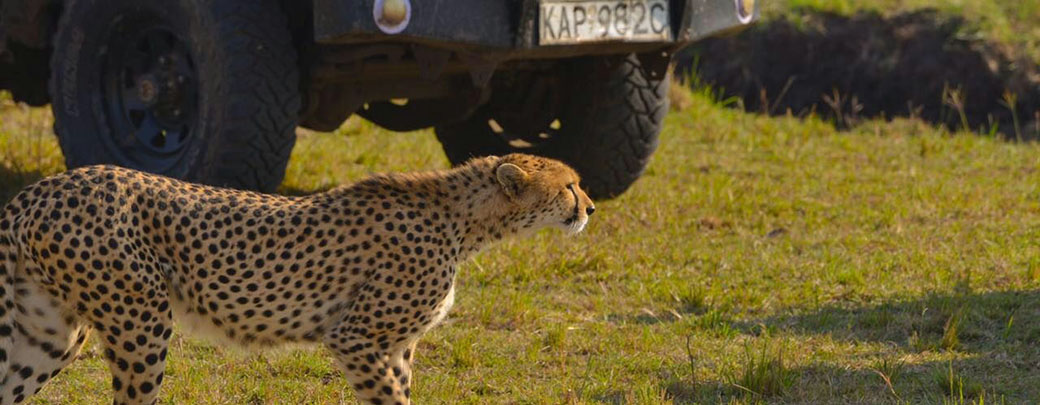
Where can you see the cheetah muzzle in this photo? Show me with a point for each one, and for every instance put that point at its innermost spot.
(364, 269)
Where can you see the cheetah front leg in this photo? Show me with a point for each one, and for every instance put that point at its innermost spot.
(137, 360)
(380, 376)
(136, 334)
(401, 366)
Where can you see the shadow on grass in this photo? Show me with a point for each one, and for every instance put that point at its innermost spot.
(12, 181)
(962, 381)
(996, 336)
(921, 64)
(299, 192)
(966, 322)
(992, 337)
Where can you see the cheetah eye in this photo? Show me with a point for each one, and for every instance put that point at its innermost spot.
(574, 192)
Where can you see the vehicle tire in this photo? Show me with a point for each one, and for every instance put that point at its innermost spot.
(600, 115)
(205, 91)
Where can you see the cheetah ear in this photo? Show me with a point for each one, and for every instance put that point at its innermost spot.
(512, 178)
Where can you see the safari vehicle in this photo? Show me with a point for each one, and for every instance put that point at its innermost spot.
(212, 91)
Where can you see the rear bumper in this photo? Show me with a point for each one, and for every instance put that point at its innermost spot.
(508, 29)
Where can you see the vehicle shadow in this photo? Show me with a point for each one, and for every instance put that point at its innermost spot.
(967, 322)
(12, 181)
(970, 380)
(997, 336)
(301, 192)
(994, 338)
(922, 64)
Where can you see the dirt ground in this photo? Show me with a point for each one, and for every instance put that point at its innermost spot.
(920, 63)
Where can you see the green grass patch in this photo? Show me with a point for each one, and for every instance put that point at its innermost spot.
(804, 264)
(764, 373)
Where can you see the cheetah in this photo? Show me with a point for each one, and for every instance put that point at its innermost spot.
(364, 269)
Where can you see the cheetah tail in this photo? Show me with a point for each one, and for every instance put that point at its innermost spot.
(8, 266)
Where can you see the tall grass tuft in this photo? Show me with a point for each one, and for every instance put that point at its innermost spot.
(764, 373)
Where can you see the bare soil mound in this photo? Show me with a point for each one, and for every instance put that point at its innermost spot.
(922, 64)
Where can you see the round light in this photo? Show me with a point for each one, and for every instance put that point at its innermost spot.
(745, 10)
(392, 16)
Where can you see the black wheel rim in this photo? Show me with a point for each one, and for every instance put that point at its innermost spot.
(151, 94)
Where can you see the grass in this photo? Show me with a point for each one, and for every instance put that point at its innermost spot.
(759, 260)
(763, 373)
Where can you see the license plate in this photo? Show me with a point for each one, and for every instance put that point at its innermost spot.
(572, 22)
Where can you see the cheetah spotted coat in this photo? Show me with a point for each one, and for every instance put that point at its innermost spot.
(364, 269)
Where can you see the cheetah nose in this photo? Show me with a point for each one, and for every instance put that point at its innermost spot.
(589, 210)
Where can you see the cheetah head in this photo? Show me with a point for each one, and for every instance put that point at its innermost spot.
(545, 191)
